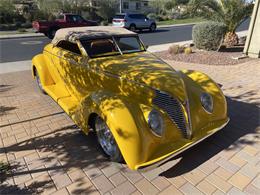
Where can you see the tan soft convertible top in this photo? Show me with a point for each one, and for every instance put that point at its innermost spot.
(74, 34)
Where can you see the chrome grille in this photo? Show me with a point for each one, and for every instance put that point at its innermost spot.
(173, 108)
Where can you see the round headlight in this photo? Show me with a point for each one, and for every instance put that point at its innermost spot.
(155, 122)
(207, 102)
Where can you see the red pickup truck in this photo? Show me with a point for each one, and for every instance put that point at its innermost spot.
(63, 21)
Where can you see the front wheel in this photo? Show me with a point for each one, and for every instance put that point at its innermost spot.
(38, 81)
(107, 141)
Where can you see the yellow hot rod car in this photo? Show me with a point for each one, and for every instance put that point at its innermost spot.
(141, 109)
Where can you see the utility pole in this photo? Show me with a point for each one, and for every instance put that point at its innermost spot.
(120, 6)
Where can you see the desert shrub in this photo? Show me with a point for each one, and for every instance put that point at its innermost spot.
(188, 50)
(208, 35)
(173, 49)
(181, 49)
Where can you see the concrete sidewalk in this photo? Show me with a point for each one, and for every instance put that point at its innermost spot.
(8, 67)
(50, 155)
(25, 35)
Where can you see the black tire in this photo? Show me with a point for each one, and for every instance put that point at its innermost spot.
(152, 27)
(39, 84)
(52, 32)
(102, 137)
(132, 27)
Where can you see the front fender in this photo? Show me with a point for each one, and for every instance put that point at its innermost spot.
(122, 120)
(39, 64)
(197, 83)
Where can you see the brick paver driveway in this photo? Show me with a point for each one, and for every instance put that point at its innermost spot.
(49, 154)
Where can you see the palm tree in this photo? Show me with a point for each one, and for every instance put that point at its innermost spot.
(230, 12)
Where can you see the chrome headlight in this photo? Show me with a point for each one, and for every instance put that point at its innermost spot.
(207, 102)
(155, 122)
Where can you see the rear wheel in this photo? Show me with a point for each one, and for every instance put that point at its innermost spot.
(132, 27)
(38, 81)
(153, 27)
(107, 141)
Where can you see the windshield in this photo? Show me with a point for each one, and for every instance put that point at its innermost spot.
(112, 46)
(119, 16)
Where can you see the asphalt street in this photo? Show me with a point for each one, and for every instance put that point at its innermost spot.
(19, 49)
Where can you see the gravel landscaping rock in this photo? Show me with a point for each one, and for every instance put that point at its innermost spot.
(224, 57)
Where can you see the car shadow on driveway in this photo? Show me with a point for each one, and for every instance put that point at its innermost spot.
(241, 131)
(60, 151)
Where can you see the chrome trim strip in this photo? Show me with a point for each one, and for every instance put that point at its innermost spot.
(152, 166)
(187, 107)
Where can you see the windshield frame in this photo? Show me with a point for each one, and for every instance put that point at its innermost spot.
(113, 38)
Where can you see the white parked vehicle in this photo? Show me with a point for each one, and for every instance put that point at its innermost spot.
(134, 22)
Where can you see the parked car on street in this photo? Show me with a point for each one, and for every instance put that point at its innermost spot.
(63, 21)
(134, 22)
(142, 110)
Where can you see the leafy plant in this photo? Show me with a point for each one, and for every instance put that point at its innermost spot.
(208, 35)
(230, 12)
(4, 168)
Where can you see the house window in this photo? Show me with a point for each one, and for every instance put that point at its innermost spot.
(125, 5)
(145, 4)
(137, 5)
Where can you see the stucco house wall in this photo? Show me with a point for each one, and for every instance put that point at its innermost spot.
(252, 46)
(135, 6)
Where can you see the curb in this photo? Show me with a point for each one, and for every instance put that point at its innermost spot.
(173, 25)
(16, 36)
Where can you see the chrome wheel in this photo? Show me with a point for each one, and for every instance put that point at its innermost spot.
(38, 81)
(107, 141)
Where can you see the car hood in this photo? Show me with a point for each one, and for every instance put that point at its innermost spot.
(145, 69)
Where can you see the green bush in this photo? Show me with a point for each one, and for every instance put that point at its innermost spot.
(208, 35)
(152, 16)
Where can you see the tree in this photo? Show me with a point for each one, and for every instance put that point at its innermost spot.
(107, 9)
(7, 11)
(230, 12)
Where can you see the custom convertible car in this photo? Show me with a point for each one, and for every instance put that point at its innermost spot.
(142, 110)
